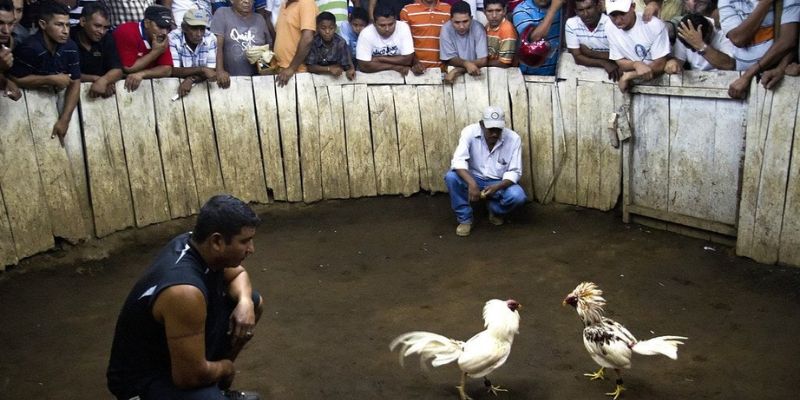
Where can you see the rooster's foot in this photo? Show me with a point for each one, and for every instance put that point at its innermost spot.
(618, 391)
(492, 388)
(462, 394)
(600, 374)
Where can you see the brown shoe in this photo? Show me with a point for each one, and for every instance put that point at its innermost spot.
(463, 229)
(495, 220)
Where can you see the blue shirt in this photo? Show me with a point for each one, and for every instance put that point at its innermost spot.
(349, 36)
(527, 14)
(33, 58)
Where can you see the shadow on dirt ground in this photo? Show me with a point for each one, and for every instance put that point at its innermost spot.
(342, 278)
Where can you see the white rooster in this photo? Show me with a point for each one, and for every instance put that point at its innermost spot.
(478, 356)
(607, 341)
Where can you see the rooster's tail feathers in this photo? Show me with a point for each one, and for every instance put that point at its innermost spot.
(666, 345)
(429, 346)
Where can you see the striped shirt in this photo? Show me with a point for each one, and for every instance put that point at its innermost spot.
(502, 42)
(529, 14)
(733, 12)
(577, 33)
(123, 11)
(336, 7)
(204, 55)
(426, 26)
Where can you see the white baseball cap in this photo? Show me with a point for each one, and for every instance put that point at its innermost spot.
(494, 117)
(613, 6)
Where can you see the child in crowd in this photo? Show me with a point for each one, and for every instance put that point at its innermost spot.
(329, 53)
(350, 29)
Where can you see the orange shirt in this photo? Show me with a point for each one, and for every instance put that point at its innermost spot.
(502, 42)
(295, 17)
(426, 24)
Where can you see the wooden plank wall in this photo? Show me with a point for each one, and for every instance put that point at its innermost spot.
(149, 158)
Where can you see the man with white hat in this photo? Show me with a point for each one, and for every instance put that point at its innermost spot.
(194, 50)
(487, 164)
(640, 49)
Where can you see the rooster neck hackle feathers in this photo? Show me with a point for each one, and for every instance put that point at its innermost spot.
(499, 320)
(590, 302)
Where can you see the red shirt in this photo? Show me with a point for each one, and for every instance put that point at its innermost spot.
(132, 45)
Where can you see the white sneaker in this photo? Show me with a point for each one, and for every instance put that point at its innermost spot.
(463, 229)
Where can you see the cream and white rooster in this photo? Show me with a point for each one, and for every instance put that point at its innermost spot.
(607, 341)
(478, 356)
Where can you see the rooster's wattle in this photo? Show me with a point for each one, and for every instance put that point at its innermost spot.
(478, 356)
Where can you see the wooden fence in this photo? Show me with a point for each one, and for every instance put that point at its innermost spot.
(141, 158)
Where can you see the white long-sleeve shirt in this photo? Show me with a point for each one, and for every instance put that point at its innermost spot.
(504, 161)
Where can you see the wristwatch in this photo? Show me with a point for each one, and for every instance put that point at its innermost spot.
(702, 50)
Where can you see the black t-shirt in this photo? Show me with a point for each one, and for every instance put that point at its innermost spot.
(100, 58)
(139, 352)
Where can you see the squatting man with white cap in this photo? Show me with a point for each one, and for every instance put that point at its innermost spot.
(487, 164)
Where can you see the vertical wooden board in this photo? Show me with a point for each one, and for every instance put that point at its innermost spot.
(451, 120)
(726, 171)
(109, 186)
(691, 156)
(8, 254)
(175, 153)
(202, 143)
(565, 141)
(774, 173)
(436, 134)
(73, 144)
(138, 122)
(58, 183)
(595, 102)
(333, 148)
(610, 157)
(650, 168)
(789, 251)
(310, 162)
(287, 119)
(461, 106)
(622, 103)
(758, 112)
(237, 140)
(541, 127)
(384, 139)
(413, 169)
(23, 195)
(267, 117)
(518, 118)
(477, 95)
(499, 90)
(360, 162)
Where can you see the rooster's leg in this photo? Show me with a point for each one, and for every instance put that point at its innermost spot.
(461, 394)
(492, 388)
(620, 388)
(600, 374)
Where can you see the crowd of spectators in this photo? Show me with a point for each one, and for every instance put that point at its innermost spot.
(59, 43)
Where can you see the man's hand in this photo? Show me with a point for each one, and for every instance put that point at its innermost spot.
(692, 35)
(771, 78)
(160, 43)
(651, 10)
(474, 192)
(284, 76)
(625, 81)
(185, 87)
(6, 59)
(673, 66)
(793, 69)
(223, 79)
(490, 190)
(402, 69)
(99, 88)
(242, 321)
(335, 70)
(643, 70)
(417, 68)
(351, 74)
(612, 69)
(738, 89)
(133, 81)
(471, 68)
(209, 74)
(60, 130)
(12, 90)
(60, 81)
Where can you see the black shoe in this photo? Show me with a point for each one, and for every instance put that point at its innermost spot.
(240, 395)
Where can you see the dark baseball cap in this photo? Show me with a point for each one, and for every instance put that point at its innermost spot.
(161, 15)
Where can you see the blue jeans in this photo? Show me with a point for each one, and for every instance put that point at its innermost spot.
(500, 203)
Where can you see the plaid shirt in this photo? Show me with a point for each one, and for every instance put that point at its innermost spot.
(337, 53)
(127, 10)
(205, 55)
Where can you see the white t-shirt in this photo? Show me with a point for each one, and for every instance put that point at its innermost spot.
(577, 33)
(643, 42)
(698, 62)
(370, 43)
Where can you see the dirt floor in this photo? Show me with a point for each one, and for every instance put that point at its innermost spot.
(342, 278)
